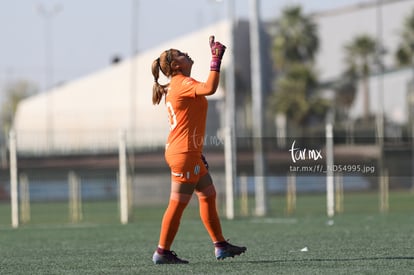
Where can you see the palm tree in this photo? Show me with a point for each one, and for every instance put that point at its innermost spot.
(345, 90)
(293, 87)
(15, 92)
(296, 38)
(295, 45)
(360, 58)
(405, 51)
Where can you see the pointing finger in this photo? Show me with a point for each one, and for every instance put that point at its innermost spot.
(211, 40)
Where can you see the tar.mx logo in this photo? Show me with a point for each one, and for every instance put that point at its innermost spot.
(304, 154)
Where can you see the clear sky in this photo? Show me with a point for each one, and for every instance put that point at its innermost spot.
(86, 34)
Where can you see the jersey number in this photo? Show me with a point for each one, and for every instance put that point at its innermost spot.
(171, 116)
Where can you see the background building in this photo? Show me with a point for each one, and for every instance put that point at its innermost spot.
(88, 113)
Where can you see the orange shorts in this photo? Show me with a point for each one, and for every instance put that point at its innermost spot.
(186, 167)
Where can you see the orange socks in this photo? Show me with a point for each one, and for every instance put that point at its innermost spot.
(208, 213)
(178, 203)
(171, 219)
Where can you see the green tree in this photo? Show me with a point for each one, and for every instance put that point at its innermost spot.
(291, 96)
(296, 39)
(295, 45)
(345, 91)
(405, 50)
(404, 55)
(360, 54)
(15, 92)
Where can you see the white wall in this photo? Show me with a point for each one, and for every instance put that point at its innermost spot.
(89, 113)
(339, 27)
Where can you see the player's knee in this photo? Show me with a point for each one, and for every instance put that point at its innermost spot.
(180, 197)
(209, 191)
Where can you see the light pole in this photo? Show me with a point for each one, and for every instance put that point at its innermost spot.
(230, 137)
(230, 147)
(48, 15)
(133, 76)
(257, 113)
(380, 112)
(133, 98)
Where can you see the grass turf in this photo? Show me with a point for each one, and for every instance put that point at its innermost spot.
(358, 241)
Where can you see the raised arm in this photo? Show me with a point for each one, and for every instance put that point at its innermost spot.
(217, 52)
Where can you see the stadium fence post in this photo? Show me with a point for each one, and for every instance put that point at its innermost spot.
(75, 198)
(384, 189)
(244, 196)
(339, 193)
(291, 193)
(14, 193)
(330, 199)
(24, 198)
(229, 173)
(123, 179)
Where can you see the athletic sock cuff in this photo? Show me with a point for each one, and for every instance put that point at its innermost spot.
(220, 244)
(161, 251)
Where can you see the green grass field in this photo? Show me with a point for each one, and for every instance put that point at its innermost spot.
(360, 240)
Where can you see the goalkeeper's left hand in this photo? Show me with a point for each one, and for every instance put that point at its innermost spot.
(217, 52)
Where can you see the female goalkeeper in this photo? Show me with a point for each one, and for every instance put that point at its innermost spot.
(185, 99)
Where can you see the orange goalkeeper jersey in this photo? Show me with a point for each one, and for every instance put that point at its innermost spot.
(187, 114)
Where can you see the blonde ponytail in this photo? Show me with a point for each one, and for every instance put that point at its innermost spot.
(158, 90)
